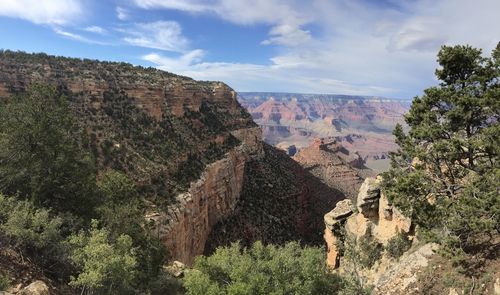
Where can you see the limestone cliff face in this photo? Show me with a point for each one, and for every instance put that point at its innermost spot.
(185, 226)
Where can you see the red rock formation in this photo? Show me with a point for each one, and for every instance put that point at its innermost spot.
(365, 123)
(335, 166)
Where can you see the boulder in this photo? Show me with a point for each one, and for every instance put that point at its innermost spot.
(342, 210)
(36, 288)
(368, 196)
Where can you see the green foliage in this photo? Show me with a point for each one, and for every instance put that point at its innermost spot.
(262, 270)
(40, 154)
(33, 231)
(121, 214)
(398, 245)
(4, 282)
(365, 252)
(446, 173)
(106, 267)
(473, 221)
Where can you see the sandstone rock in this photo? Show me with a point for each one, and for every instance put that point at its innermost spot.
(176, 269)
(15, 289)
(368, 196)
(376, 218)
(342, 210)
(496, 286)
(36, 288)
(401, 275)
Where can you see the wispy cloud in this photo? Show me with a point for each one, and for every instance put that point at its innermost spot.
(360, 48)
(77, 37)
(95, 29)
(122, 13)
(163, 35)
(286, 21)
(42, 11)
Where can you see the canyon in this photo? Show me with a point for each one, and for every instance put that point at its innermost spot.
(204, 174)
(363, 124)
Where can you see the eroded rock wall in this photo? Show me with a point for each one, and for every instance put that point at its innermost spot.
(184, 228)
(373, 215)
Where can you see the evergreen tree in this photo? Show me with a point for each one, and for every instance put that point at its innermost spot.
(446, 172)
(41, 157)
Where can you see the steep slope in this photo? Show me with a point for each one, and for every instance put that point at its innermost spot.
(280, 202)
(172, 135)
(194, 153)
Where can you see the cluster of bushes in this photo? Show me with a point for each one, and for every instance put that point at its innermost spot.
(54, 210)
(259, 269)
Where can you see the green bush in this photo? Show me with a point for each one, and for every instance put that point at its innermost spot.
(397, 245)
(261, 269)
(105, 267)
(32, 231)
(4, 282)
(370, 251)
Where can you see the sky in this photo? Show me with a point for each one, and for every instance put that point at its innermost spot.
(358, 47)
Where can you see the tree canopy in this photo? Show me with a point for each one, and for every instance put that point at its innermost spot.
(446, 172)
(41, 158)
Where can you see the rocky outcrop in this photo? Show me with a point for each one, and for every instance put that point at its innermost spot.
(333, 221)
(35, 288)
(375, 217)
(335, 166)
(398, 277)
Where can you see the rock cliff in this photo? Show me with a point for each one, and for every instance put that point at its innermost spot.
(185, 226)
(372, 219)
(185, 143)
(334, 165)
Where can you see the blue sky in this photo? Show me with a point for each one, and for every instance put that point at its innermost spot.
(366, 47)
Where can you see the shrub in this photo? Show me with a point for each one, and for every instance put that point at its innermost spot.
(363, 252)
(32, 231)
(370, 251)
(397, 245)
(4, 282)
(261, 269)
(105, 267)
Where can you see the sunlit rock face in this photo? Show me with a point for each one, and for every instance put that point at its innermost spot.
(363, 124)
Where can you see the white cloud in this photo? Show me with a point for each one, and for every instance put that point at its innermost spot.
(286, 21)
(122, 13)
(163, 35)
(95, 29)
(288, 35)
(77, 37)
(357, 47)
(42, 11)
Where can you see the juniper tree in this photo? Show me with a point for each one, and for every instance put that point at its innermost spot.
(445, 170)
